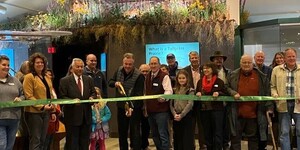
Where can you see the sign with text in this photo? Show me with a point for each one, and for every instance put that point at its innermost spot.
(180, 50)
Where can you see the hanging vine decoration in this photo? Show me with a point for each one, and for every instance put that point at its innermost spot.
(206, 21)
(209, 33)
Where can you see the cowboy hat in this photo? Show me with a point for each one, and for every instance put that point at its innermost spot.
(217, 54)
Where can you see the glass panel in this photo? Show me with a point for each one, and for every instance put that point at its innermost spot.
(262, 38)
(16, 51)
(290, 37)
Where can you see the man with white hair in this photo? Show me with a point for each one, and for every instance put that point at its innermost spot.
(248, 118)
(259, 59)
(78, 117)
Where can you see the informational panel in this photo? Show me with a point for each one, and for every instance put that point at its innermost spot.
(180, 50)
(103, 62)
(10, 54)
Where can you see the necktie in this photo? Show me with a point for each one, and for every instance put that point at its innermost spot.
(152, 77)
(79, 85)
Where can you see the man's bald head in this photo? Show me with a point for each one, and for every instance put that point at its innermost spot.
(91, 61)
(144, 69)
(246, 63)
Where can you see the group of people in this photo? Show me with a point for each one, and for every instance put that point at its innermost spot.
(34, 82)
(221, 124)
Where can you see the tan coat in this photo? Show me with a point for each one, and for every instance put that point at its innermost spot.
(278, 87)
(34, 89)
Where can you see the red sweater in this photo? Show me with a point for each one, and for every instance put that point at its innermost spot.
(248, 86)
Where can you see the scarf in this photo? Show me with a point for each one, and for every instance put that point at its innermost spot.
(207, 86)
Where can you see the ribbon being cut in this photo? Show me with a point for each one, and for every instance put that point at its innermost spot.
(10, 103)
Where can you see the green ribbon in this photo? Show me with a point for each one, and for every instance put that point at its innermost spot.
(6, 104)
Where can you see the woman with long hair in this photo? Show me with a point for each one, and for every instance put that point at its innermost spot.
(278, 59)
(37, 86)
(182, 115)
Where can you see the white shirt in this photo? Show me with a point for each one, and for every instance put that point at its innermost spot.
(196, 76)
(222, 76)
(166, 83)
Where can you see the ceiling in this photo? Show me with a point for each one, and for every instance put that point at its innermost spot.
(16, 8)
(260, 9)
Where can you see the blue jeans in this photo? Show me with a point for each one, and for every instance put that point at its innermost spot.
(8, 130)
(285, 126)
(159, 126)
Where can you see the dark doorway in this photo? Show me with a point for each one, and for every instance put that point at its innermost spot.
(65, 53)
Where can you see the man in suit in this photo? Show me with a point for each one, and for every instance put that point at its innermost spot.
(194, 71)
(78, 117)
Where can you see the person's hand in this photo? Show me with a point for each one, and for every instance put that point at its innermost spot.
(96, 105)
(128, 113)
(52, 118)
(145, 112)
(198, 94)
(117, 84)
(17, 99)
(215, 94)
(270, 112)
(76, 99)
(161, 100)
(90, 98)
(275, 96)
(237, 96)
(177, 117)
(49, 107)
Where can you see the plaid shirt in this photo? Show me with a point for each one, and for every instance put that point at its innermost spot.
(290, 84)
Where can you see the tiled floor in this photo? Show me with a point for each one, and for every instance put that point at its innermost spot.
(112, 144)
